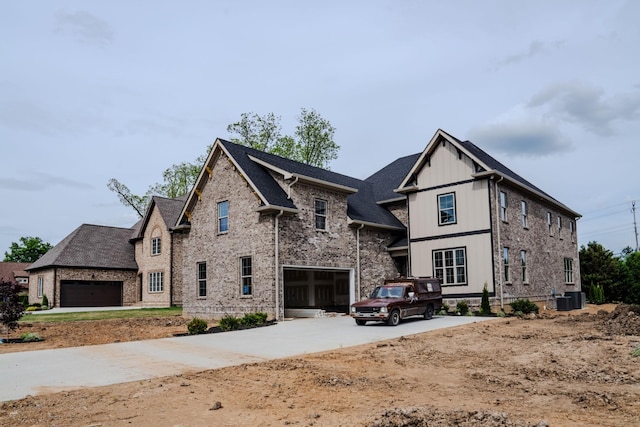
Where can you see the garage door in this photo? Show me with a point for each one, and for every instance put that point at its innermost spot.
(90, 294)
(316, 289)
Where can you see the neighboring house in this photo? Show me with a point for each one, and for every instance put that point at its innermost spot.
(473, 222)
(259, 232)
(156, 256)
(93, 266)
(15, 271)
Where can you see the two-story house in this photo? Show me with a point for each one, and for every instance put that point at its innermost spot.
(474, 222)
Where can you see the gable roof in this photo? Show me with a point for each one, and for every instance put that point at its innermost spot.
(256, 167)
(387, 179)
(169, 210)
(91, 246)
(12, 270)
(486, 167)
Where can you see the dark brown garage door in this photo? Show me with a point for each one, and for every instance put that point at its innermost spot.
(90, 294)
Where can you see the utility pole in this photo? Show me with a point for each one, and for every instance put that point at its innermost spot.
(635, 224)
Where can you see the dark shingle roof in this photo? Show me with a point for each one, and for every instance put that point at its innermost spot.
(390, 177)
(11, 270)
(170, 208)
(361, 205)
(91, 246)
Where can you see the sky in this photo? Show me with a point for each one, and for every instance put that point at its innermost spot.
(91, 91)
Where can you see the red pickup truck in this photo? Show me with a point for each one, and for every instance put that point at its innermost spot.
(398, 299)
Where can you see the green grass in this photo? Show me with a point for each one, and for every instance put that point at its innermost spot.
(100, 315)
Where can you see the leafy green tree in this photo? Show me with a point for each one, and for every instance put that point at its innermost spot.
(598, 266)
(28, 250)
(11, 308)
(177, 181)
(632, 278)
(311, 144)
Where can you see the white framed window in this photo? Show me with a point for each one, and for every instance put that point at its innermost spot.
(559, 227)
(549, 224)
(40, 286)
(503, 206)
(572, 231)
(505, 260)
(447, 209)
(202, 279)
(524, 214)
(155, 282)
(155, 246)
(523, 261)
(223, 216)
(450, 266)
(321, 214)
(568, 270)
(246, 276)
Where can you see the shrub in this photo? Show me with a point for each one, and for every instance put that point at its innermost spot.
(197, 326)
(445, 307)
(229, 323)
(253, 319)
(596, 294)
(24, 299)
(524, 306)
(462, 308)
(501, 314)
(485, 305)
(636, 352)
(31, 337)
(32, 308)
(45, 301)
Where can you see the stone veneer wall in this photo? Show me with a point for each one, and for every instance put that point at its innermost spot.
(250, 234)
(545, 252)
(148, 263)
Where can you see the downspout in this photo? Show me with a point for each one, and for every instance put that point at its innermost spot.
(55, 285)
(358, 261)
(171, 235)
(277, 264)
(500, 276)
(291, 184)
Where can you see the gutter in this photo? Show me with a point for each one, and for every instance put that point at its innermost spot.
(357, 293)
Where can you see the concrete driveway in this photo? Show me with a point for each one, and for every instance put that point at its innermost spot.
(46, 371)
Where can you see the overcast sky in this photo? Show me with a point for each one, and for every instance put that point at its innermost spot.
(124, 89)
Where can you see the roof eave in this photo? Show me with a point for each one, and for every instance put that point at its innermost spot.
(357, 222)
(276, 209)
(491, 174)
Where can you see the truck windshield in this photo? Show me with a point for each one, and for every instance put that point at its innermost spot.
(388, 292)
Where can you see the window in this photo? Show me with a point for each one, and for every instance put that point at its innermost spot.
(245, 276)
(40, 286)
(549, 224)
(223, 216)
(503, 206)
(559, 227)
(155, 281)
(450, 266)
(505, 258)
(321, 214)
(572, 231)
(155, 246)
(524, 214)
(523, 260)
(202, 279)
(568, 270)
(447, 208)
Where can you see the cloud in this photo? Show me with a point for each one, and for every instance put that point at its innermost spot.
(587, 106)
(526, 137)
(535, 48)
(85, 27)
(40, 182)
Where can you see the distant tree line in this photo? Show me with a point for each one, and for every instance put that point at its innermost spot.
(607, 278)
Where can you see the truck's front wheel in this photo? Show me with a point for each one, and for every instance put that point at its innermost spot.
(428, 312)
(361, 322)
(394, 318)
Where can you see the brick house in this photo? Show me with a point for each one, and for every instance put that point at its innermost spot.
(15, 272)
(473, 222)
(259, 232)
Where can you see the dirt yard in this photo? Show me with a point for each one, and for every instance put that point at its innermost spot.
(568, 369)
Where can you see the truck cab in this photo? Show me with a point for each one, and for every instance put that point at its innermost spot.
(398, 299)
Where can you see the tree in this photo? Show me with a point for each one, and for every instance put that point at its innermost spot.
(632, 278)
(311, 144)
(29, 250)
(598, 266)
(177, 181)
(11, 309)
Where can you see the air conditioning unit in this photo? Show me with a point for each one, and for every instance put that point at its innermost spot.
(564, 303)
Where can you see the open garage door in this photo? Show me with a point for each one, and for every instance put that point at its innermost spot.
(85, 293)
(312, 290)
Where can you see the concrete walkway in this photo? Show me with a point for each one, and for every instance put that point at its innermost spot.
(46, 371)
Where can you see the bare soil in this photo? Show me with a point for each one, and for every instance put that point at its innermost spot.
(557, 369)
